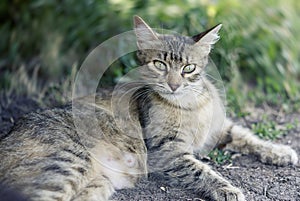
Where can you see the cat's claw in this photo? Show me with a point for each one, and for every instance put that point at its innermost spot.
(281, 155)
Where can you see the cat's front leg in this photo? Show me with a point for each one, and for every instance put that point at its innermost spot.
(99, 189)
(183, 169)
(244, 141)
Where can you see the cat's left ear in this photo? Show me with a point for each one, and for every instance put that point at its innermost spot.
(145, 35)
(208, 37)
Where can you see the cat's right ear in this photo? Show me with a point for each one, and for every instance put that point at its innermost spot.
(208, 37)
(144, 34)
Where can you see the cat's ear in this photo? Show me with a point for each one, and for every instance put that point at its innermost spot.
(144, 34)
(208, 37)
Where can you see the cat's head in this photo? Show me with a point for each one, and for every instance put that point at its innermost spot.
(173, 64)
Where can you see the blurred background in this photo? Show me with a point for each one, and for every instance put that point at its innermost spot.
(44, 42)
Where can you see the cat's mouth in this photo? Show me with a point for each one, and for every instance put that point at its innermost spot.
(167, 91)
(170, 94)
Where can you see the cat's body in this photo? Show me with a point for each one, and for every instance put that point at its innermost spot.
(177, 112)
(53, 160)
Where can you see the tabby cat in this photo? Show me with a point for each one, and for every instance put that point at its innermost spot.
(176, 111)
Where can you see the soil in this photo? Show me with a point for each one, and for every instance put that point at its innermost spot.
(260, 182)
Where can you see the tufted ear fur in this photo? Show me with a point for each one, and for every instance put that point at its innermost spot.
(208, 37)
(145, 35)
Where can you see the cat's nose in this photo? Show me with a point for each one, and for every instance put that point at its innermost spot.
(174, 87)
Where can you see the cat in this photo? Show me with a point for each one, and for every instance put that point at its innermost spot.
(176, 113)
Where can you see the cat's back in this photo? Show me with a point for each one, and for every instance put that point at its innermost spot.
(56, 152)
(39, 126)
(40, 144)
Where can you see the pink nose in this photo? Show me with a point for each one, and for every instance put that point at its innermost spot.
(174, 87)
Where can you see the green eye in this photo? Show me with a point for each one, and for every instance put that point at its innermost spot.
(189, 68)
(160, 65)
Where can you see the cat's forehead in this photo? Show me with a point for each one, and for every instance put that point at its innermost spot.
(173, 49)
(176, 41)
(181, 48)
(178, 38)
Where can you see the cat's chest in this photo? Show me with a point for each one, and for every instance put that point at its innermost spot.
(197, 127)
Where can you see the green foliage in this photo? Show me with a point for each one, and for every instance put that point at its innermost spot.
(258, 48)
(257, 56)
(219, 156)
(269, 129)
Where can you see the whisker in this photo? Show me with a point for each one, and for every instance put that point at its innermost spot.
(211, 77)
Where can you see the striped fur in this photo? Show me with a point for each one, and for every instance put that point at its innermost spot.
(176, 112)
(46, 157)
(178, 123)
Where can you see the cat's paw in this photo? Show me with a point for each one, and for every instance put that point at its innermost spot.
(228, 193)
(280, 155)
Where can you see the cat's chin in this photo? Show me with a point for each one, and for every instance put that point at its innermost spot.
(179, 99)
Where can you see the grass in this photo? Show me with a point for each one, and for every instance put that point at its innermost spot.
(220, 156)
(257, 56)
(269, 129)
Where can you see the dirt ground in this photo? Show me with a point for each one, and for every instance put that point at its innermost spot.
(259, 182)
